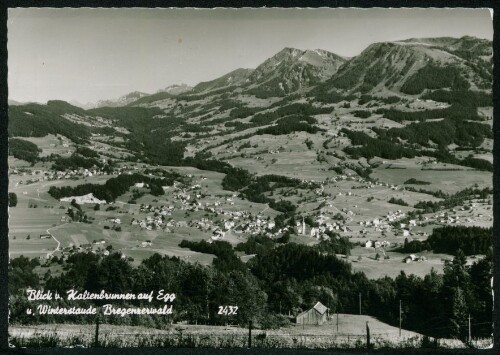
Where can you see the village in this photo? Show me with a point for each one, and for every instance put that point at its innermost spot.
(215, 215)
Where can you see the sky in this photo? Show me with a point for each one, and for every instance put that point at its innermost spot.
(86, 55)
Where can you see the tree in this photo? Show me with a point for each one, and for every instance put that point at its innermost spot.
(457, 294)
(481, 273)
(459, 314)
(12, 199)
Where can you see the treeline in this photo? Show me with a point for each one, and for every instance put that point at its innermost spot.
(226, 258)
(150, 132)
(462, 133)
(451, 239)
(235, 179)
(466, 98)
(435, 77)
(450, 201)
(192, 284)
(257, 244)
(457, 111)
(362, 113)
(397, 201)
(476, 163)
(417, 135)
(413, 181)
(24, 150)
(260, 185)
(365, 98)
(291, 124)
(112, 188)
(414, 246)
(288, 278)
(75, 162)
(368, 147)
(471, 240)
(86, 152)
(295, 109)
(334, 245)
(254, 189)
(263, 245)
(35, 120)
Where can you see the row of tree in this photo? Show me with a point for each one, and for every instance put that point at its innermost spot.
(451, 239)
(112, 188)
(287, 278)
(451, 201)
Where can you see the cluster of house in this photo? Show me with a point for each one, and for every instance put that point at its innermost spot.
(240, 222)
(413, 257)
(319, 232)
(444, 218)
(157, 222)
(146, 244)
(161, 210)
(377, 244)
(259, 225)
(61, 175)
(85, 247)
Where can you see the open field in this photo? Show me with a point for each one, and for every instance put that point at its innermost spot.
(350, 329)
(351, 334)
(50, 144)
(31, 248)
(449, 181)
(374, 269)
(293, 160)
(33, 220)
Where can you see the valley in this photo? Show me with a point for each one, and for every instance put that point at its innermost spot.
(367, 163)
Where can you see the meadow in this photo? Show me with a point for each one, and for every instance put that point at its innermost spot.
(445, 177)
(351, 334)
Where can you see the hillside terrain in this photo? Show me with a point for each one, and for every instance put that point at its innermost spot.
(381, 162)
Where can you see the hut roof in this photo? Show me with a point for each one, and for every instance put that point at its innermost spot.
(320, 307)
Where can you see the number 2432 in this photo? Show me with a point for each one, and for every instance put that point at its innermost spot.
(228, 310)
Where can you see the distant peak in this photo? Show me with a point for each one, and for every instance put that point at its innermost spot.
(292, 51)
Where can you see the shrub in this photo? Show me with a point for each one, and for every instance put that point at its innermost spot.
(12, 199)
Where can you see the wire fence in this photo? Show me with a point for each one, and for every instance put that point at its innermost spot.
(32, 336)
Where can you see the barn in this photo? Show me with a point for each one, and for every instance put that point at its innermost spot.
(316, 315)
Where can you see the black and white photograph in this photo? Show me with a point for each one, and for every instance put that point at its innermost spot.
(301, 178)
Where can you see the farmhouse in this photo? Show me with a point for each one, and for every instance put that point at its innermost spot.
(413, 257)
(86, 246)
(45, 236)
(316, 315)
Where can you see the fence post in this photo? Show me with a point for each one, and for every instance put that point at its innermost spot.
(250, 334)
(96, 340)
(368, 345)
